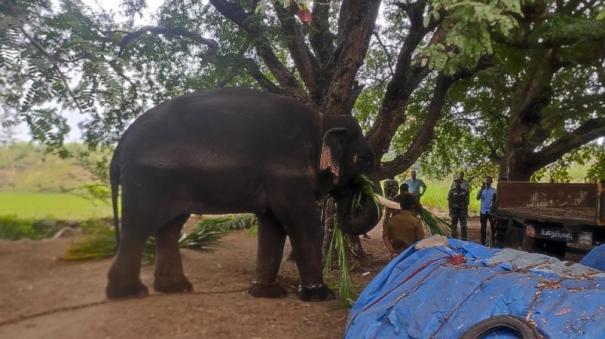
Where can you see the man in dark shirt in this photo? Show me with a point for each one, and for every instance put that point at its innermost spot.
(403, 229)
(458, 201)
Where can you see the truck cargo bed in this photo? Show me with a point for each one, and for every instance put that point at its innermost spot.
(551, 202)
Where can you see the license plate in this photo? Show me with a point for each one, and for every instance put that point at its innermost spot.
(555, 234)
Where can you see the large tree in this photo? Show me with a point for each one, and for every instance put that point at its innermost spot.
(67, 57)
(542, 103)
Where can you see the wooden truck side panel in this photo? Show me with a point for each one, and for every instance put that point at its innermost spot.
(572, 204)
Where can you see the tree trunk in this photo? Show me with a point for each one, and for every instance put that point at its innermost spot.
(525, 128)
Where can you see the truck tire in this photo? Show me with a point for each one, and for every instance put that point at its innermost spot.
(520, 326)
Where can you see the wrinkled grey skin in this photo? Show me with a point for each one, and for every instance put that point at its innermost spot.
(234, 151)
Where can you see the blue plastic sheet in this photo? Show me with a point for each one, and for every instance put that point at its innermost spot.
(595, 258)
(422, 294)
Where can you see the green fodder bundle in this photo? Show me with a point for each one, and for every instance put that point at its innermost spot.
(209, 230)
(338, 247)
(435, 224)
(100, 243)
(364, 189)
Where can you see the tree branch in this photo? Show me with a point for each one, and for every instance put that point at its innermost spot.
(588, 131)
(244, 21)
(322, 40)
(424, 135)
(356, 24)
(260, 78)
(404, 81)
(54, 60)
(386, 52)
(169, 31)
(305, 62)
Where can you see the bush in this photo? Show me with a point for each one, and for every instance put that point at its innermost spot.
(13, 228)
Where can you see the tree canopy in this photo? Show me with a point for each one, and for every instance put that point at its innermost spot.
(512, 83)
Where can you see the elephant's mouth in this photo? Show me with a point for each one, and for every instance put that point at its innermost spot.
(357, 207)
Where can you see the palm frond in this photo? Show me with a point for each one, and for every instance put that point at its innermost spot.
(435, 224)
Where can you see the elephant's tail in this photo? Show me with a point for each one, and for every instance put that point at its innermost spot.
(114, 180)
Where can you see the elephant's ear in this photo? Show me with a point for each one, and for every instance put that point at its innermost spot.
(332, 151)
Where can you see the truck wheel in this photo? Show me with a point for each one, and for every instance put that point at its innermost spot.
(522, 328)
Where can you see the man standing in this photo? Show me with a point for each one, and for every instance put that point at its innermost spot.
(391, 188)
(486, 194)
(403, 229)
(458, 205)
(463, 182)
(416, 186)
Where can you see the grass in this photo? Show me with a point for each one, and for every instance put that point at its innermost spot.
(51, 206)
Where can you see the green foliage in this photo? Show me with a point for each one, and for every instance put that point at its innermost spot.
(15, 228)
(210, 230)
(364, 189)
(435, 224)
(100, 241)
(339, 247)
(469, 27)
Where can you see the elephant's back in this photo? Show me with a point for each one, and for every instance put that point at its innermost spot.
(226, 126)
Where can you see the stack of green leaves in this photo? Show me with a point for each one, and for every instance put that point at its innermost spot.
(435, 224)
(338, 247)
(100, 238)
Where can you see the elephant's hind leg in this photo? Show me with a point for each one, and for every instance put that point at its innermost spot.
(169, 276)
(271, 240)
(123, 275)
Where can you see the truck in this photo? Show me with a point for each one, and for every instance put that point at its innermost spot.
(558, 219)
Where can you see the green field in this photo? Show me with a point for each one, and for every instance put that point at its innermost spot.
(51, 206)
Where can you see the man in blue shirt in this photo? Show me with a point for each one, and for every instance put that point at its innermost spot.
(486, 194)
(416, 186)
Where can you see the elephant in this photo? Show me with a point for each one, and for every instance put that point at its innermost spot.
(235, 150)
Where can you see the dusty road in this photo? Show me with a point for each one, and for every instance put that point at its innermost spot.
(33, 281)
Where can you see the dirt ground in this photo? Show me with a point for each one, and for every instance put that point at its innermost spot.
(33, 281)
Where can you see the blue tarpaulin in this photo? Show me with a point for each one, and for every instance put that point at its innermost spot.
(431, 293)
(595, 258)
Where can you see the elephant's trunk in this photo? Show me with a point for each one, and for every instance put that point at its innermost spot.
(357, 214)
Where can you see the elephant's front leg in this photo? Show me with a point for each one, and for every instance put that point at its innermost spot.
(304, 229)
(271, 240)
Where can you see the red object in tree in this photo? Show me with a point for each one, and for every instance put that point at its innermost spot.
(304, 15)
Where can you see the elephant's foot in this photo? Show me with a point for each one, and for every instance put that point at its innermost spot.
(165, 285)
(260, 290)
(121, 291)
(317, 292)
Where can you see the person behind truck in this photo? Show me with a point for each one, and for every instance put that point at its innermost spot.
(416, 186)
(458, 205)
(403, 229)
(487, 195)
